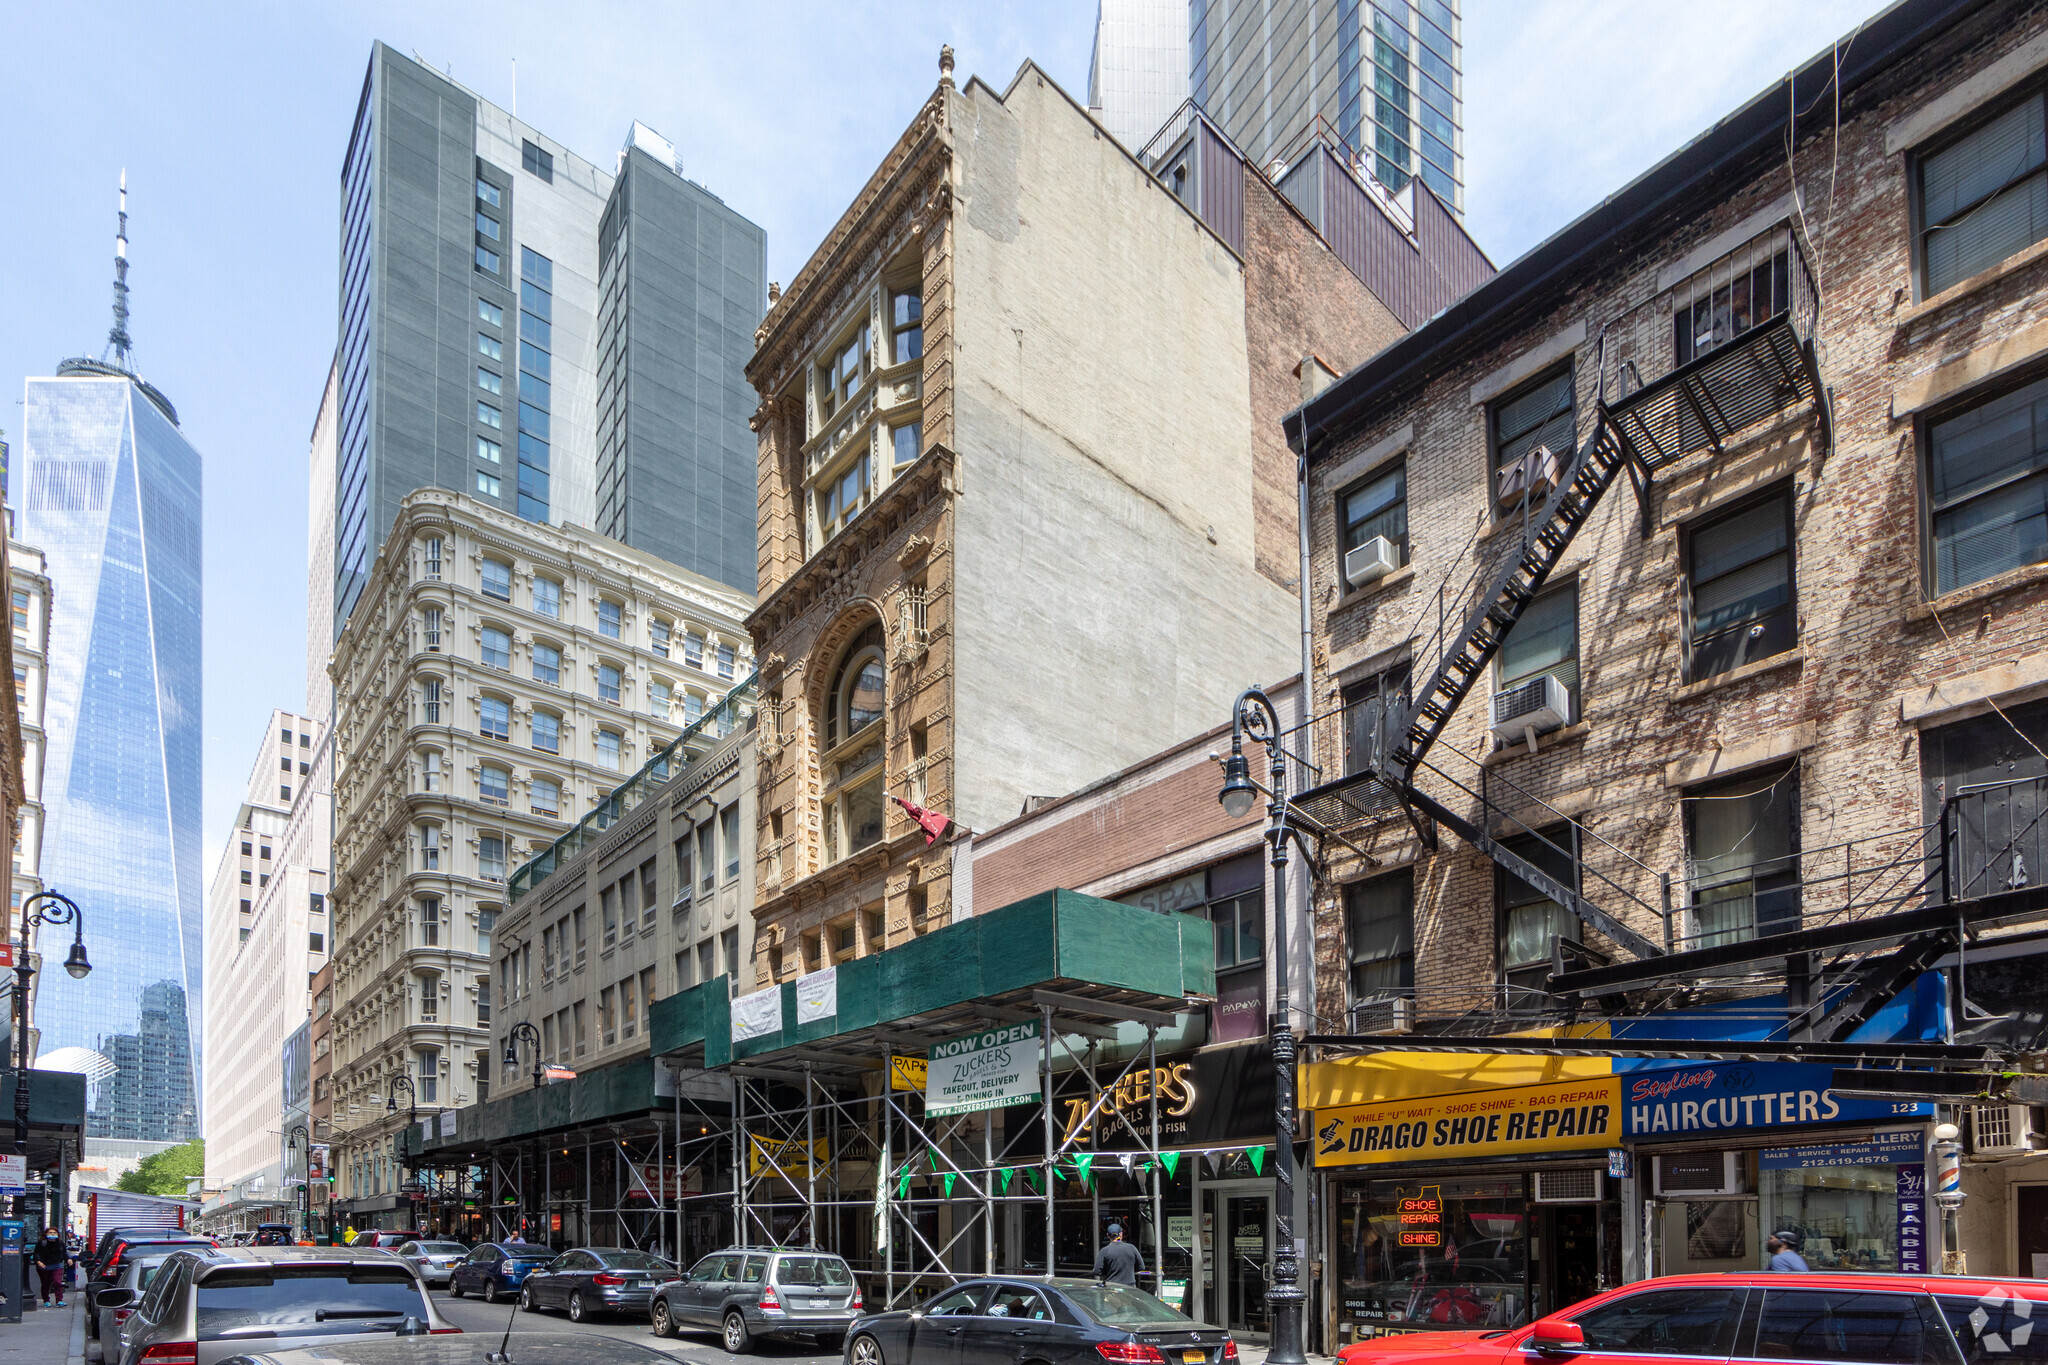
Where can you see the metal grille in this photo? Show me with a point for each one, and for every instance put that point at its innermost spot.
(1520, 701)
(1993, 1126)
(1567, 1187)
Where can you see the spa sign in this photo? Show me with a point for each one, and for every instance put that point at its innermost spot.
(985, 1070)
(1568, 1116)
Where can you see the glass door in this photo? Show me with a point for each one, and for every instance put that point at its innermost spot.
(1244, 1255)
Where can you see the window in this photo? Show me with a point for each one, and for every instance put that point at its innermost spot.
(607, 1017)
(1740, 595)
(649, 894)
(487, 484)
(1373, 711)
(693, 708)
(488, 381)
(430, 557)
(493, 786)
(489, 347)
(20, 611)
(497, 648)
(693, 649)
(576, 1012)
(491, 313)
(429, 1070)
(607, 618)
(1983, 197)
(430, 702)
(1668, 1322)
(610, 743)
(906, 327)
(430, 921)
(316, 942)
(547, 796)
(538, 161)
(1537, 414)
(547, 664)
(707, 961)
(725, 658)
(658, 696)
(430, 771)
(547, 597)
(1724, 308)
(907, 441)
(1377, 507)
(628, 910)
(547, 732)
(1995, 1330)
(858, 690)
(487, 450)
(1743, 837)
(248, 877)
(430, 848)
(685, 879)
(430, 630)
(841, 374)
(286, 765)
(608, 683)
(608, 916)
(1835, 1324)
(490, 857)
(1529, 920)
(487, 260)
(729, 829)
(487, 193)
(841, 497)
(486, 225)
(483, 1005)
(247, 848)
(1988, 488)
(489, 416)
(657, 637)
(486, 921)
(1379, 919)
(497, 579)
(494, 718)
(729, 942)
(707, 855)
(1545, 640)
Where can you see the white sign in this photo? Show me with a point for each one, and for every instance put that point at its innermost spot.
(13, 1173)
(986, 1070)
(817, 996)
(757, 1015)
(447, 1123)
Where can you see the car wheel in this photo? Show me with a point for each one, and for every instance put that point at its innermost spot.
(526, 1299)
(867, 1351)
(664, 1324)
(737, 1339)
(490, 1294)
(454, 1288)
(576, 1306)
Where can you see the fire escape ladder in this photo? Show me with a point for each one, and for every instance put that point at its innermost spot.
(1509, 594)
(1879, 981)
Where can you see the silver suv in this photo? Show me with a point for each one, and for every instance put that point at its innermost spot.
(749, 1292)
(205, 1306)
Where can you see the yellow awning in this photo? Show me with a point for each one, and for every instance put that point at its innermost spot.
(1404, 1075)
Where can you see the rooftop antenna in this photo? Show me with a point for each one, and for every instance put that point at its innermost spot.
(118, 341)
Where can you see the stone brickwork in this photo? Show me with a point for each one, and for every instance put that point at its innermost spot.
(1868, 636)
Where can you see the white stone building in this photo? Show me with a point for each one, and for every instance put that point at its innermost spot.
(29, 605)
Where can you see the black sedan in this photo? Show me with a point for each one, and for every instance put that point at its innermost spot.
(596, 1280)
(1068, 1320)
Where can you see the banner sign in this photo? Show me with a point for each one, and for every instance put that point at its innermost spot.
(784, 1157)
(1912, 1225)
(1709, 1099)
(1886, 1149)
(817, 995)
(907, 1073)
(985, 1070)
(13, 1173)
(757, 1015)
(1505, 1121)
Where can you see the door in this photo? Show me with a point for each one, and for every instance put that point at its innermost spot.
(1247, 1225)
(1568, 1265)
(1658, 1324)
(1018, 1325)
(942, 1335)
(687, 1299)
(2030, 1228)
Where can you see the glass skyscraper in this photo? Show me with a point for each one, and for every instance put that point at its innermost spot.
(110, 488)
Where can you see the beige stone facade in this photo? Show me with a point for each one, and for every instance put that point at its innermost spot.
(1034, 544)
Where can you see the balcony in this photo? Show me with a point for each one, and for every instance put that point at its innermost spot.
(1726, 348)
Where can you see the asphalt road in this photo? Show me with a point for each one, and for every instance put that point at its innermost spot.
(698, 1347)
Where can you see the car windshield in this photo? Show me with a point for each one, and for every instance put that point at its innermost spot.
(443, 1249)
(1119, 1305)
(814, 1270)
(633, 1260)
(259, 1301)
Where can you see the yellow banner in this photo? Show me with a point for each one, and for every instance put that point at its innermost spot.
(784, 1158)
(907, 1073)
(1569, 1116)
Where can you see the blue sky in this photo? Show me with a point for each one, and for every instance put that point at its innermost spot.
(231, 120)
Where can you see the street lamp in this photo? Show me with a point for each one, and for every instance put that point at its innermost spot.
(524, 1030)
(305, 1178)
(1255, 715)
(59, 909)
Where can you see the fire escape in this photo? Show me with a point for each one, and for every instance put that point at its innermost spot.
(1688, 370)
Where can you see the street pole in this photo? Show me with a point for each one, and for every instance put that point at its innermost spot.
(526, 1032)
(305, 1140)
(45, 907)
(1255, 715)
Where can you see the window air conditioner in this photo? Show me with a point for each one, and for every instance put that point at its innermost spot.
(1522, 711)
(1532, 476)
(1699, 1173)
(1391, 1014)
(1370, 562)
(1568, 1187)
(1997, 1129)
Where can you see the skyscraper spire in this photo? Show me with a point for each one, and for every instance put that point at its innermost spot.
(118, 342)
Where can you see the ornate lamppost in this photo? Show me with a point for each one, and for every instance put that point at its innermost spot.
(45, 907)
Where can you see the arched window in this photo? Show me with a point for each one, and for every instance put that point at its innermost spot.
(853, 812)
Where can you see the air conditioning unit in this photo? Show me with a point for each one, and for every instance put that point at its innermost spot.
(2002, 1129)
(1699, 1173)
(1569, 1187)
(1392, 1014)
(1532, 476)
(1528, 708)
(1370, 562)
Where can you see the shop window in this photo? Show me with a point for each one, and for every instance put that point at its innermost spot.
(1379, 918)
(1530, 922)
(1445, 1253)
(1743, 836)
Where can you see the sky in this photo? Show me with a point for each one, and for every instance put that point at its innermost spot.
(231, 121)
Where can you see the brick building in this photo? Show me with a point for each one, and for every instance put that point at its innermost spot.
(1666, 590)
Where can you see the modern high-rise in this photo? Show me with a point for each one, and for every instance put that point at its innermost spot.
(110, 489)
(503, 301)
(1381, 76)
(1138, 70)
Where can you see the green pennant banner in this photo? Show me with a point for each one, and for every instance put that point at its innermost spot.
(950, 1178)
(1006, 1175)
(1032, 1181)
(1171, 1161)
(1258, 1159)
(1082, 1161)
(931, 1154)
(903, 1183)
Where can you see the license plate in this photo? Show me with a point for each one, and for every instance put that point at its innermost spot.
(1193, 1357)
(819, 1303)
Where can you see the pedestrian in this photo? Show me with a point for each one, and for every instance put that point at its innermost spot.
(515, 1240)
(1785, 1257)
(1118, 1262)
(51, 1258)
(348, 1235)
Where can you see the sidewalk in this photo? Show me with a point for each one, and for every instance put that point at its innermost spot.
(46, 1335)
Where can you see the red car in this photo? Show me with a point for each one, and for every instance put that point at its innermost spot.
(1855, 1319)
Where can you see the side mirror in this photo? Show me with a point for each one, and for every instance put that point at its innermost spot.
(1556, 1336)
(116, 1298)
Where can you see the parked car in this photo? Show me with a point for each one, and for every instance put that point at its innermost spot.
(433, 1260)
(478, 1348)
(595, 1280)
(205, 1306)
(104, 1324)
(1057, 1321)
(496, 1269)
(118, 1246)
(1841, 1317)
(379, 1237)
(750, 1292)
